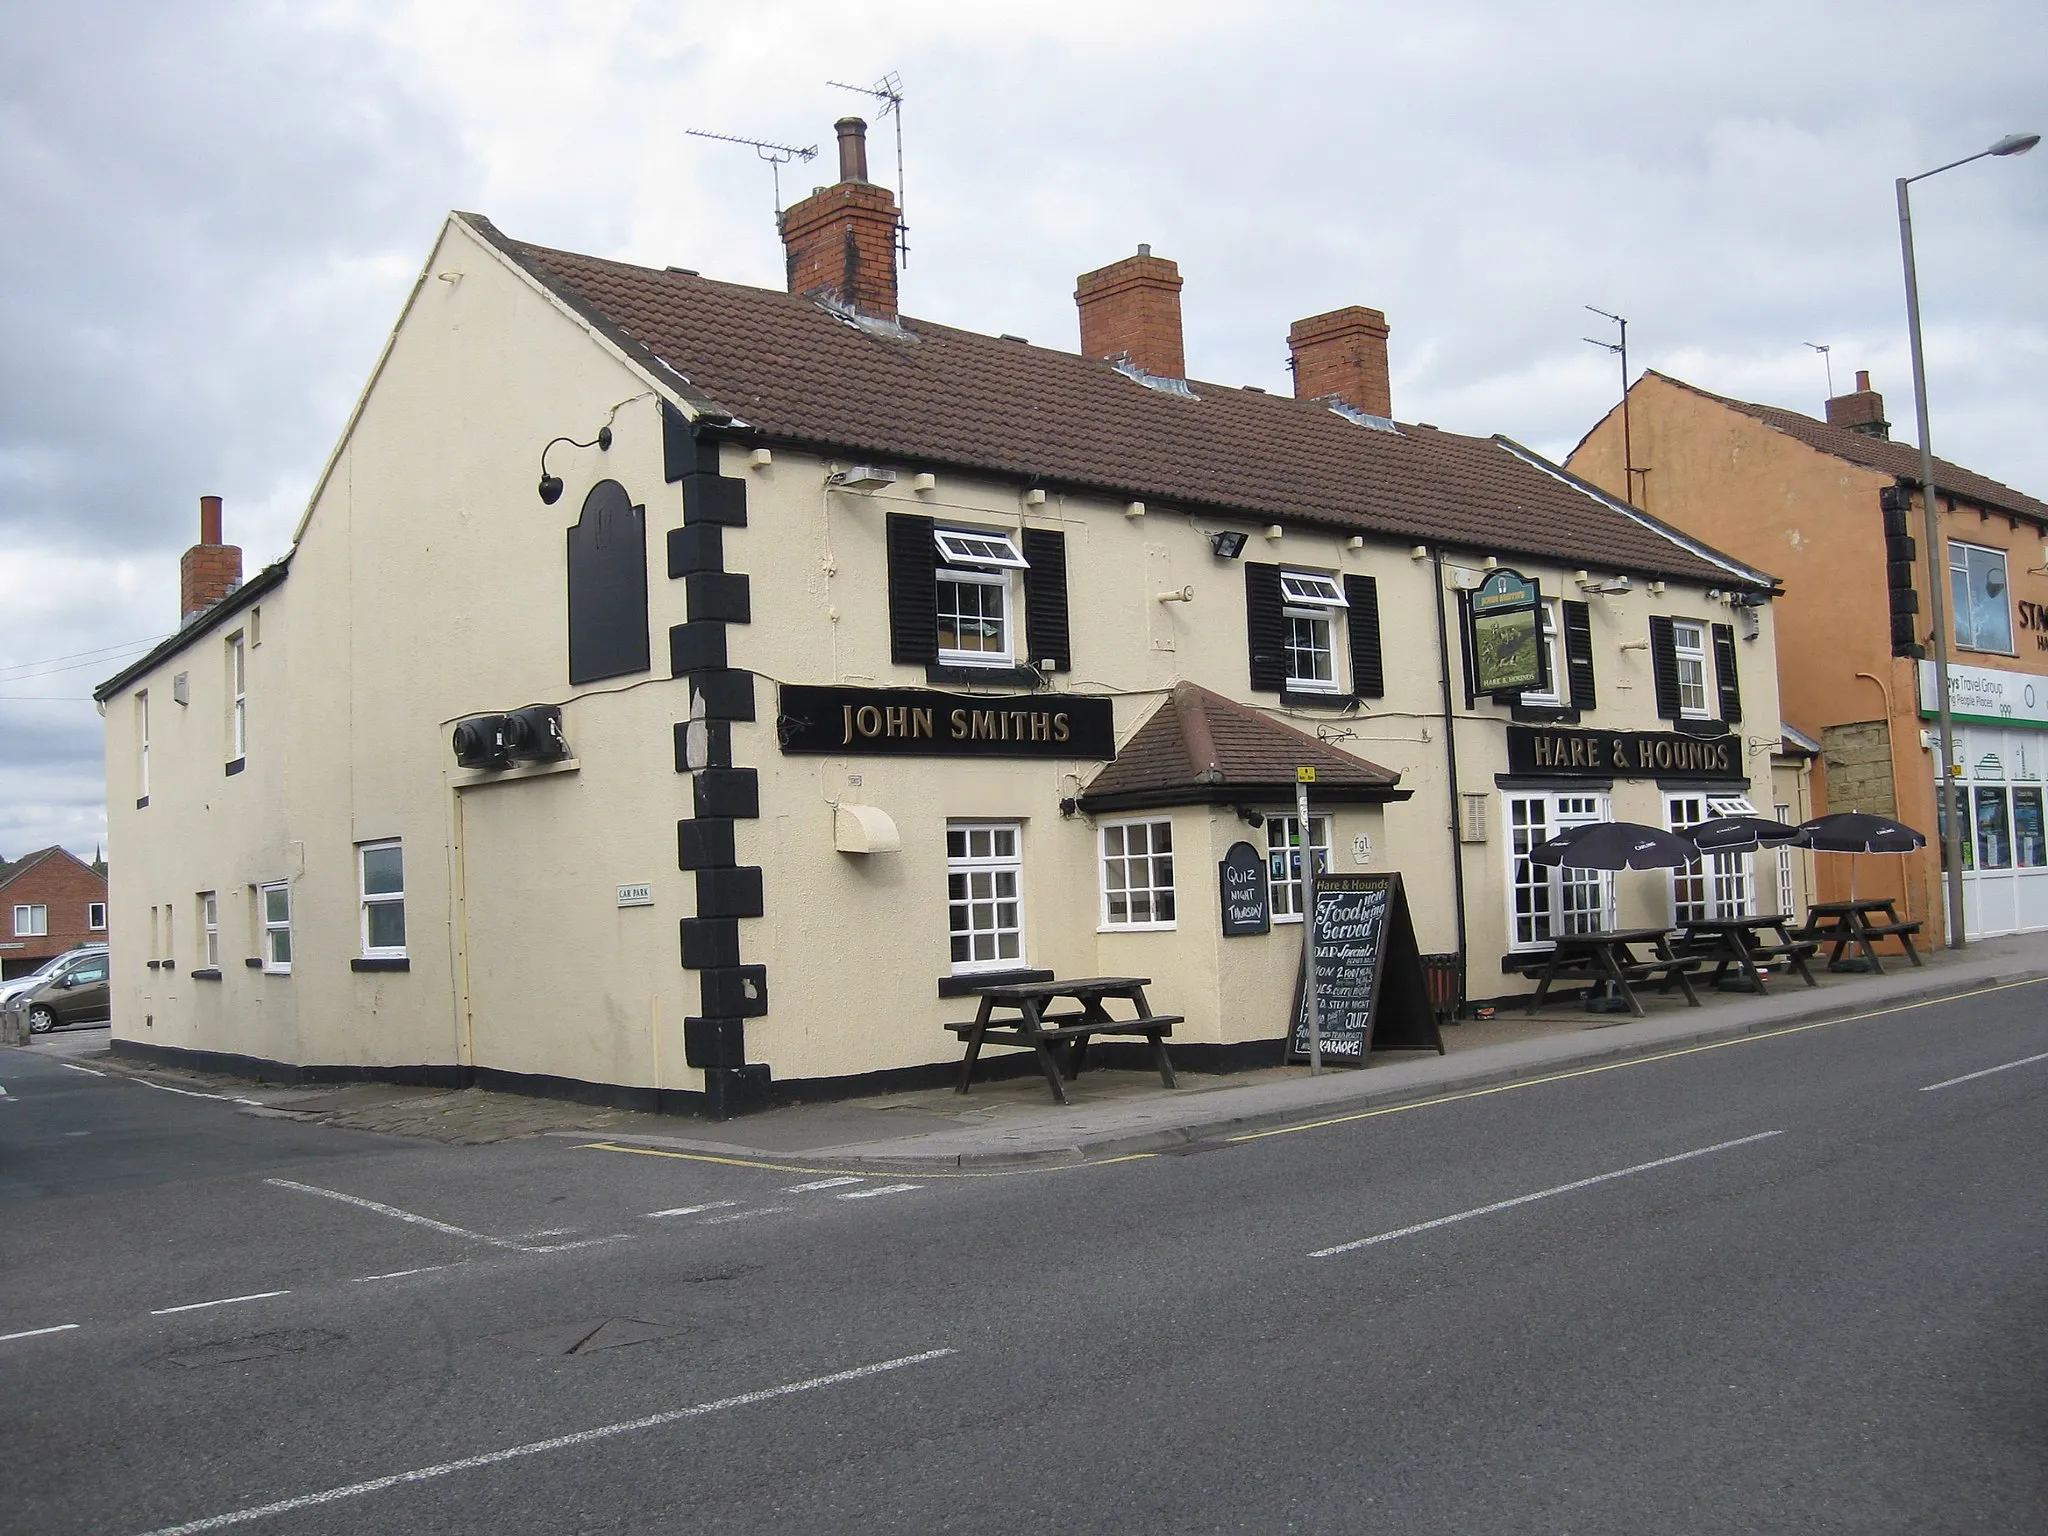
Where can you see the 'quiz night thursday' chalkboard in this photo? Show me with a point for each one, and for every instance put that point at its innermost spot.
(1241, 883)
(1370, 992)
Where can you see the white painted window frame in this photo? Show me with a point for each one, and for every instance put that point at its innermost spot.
(96, 924)
(1557, 895)
(1692, 654)
(369, 899)
(1121, 861)
(990, 548)
(238, 697)
(209, 929)
(997, 581)
(1283, 881)
(967, 866)
(1547, 635)
(32, 920)
(275, 927)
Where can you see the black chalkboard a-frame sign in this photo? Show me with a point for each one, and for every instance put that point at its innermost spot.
(1370, 992)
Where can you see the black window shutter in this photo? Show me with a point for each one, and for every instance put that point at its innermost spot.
(1045, 599)
(1368, 671)
(1465, 645)
(913, 594)
(1265, 631)
(1724, 674)
(607, 587)
(1578, 654)
(1664, 667)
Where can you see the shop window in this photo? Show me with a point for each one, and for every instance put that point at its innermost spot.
(209, 929)
(1719, 885)
(1137, 874)
(96, 916)
(1977, 586)
(1994, 830)
(1283, 861)
(31, 921)
(984, 896)
(383, 897)
(276, 906)
(2028, 849)
(1544, 901)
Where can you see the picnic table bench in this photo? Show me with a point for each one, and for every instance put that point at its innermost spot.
(1610, 956)
(1846, 923)
(1028, 1024)
(1737, 942)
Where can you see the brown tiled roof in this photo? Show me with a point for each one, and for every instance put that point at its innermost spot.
(1199, 748)
(932, 396)
(27, 862)
(1897, 459)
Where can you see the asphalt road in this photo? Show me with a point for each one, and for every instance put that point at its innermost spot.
(1793, 1283)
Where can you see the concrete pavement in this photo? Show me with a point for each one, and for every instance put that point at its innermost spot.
(1112, 1113)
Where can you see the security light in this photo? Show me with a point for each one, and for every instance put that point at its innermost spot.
(1226, 544)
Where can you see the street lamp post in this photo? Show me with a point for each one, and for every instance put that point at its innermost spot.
(1937, 584)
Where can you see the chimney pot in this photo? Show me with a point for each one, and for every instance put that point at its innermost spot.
(209, 519)
(1343, 353)
(1862, 378)
(1131, 308)
(853, 148)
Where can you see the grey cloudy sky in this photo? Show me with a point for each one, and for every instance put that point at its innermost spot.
(216, 208)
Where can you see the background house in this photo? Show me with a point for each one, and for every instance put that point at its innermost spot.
(51, 900)
(1833, 507)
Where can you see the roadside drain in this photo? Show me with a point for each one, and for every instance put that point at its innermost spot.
(255, 1346)
(587, 1337)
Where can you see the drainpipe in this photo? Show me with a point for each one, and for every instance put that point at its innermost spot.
(1443, 654)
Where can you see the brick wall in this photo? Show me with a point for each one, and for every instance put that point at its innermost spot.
(206, 574)
(66, 885)
(1132, 307)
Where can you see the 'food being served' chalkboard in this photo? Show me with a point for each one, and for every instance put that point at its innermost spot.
(1370, 992)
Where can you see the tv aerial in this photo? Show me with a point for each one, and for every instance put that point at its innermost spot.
(1628, 452)
(777, 155)
(887, 92)
(1823, 349)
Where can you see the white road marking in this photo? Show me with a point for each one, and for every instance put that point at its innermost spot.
(400, 1274)
(218, 1098)
(36, 1333)
(880, 1189)
(440, 1226)
(759, 1210)
(538, 1447)
(74, 1067)
(690, 1210)
(1970, 1077)
(805, 1189)
(225, 1301)
(1541, 1194)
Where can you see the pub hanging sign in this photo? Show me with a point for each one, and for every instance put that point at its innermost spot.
(1623, 754)
(920, 722)
(1507, 650)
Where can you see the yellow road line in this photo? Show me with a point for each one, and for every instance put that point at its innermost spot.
(922, 1173)
(1633, 1061)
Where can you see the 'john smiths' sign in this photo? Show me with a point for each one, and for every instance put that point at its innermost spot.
(1624, 754)
(917, 722)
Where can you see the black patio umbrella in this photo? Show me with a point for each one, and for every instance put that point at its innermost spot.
(1860, 832)
(1615, 845)
(1854, 832)
(1739, 834)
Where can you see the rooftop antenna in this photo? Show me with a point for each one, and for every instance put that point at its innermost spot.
(888, 91)
(1823, 351)
(1628, 452)
(777, 155)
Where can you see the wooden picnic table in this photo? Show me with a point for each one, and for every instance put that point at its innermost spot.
(1739, 942)
(1029, 1024)
(1610, 956)
(1843, 923)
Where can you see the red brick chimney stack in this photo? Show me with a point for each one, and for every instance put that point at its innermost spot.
(1343, 353)
(1131, 308)
(1862, 411)
(840, 242)
(210, 569)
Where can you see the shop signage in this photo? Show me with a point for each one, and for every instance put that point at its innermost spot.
(1241, 879)
(1988, 696)
(1535, 749)
(1370, 994)
(918, 722)
(1507, 655)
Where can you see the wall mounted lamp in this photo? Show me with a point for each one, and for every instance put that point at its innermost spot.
(1248, 816)
(1226, 543)
(551, 485)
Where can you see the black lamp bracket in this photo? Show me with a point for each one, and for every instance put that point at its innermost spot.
(551, 485)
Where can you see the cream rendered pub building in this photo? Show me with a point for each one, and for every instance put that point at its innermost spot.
(680, 694)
